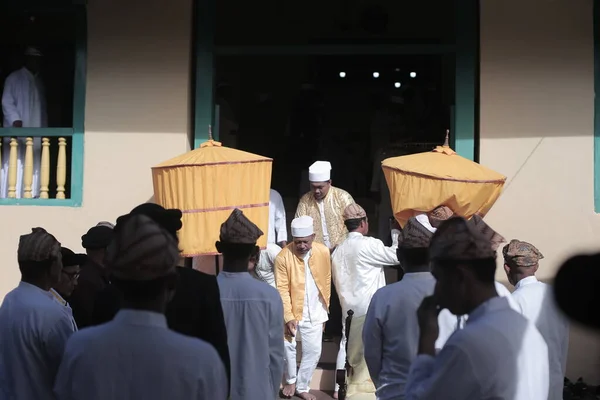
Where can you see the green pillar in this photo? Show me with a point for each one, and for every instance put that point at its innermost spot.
(204, 35)
(467, 78)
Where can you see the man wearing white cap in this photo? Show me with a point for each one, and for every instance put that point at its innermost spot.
(326, 204)
(303, 276)
(24, 106)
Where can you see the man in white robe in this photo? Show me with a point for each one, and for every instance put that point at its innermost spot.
(136, 355)
(34, 328)
(391, 331)
(24, 106)
(499, 354)
(536, 302)
(253, 315)
(277, 220)
(357, 273)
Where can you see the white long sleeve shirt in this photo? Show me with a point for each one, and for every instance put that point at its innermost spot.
(136, 356)
(536, 302)
(34, 330)
(357, 269)
(498, 355)
(277, 220)
(391, 332)
(265, 268)
(24, 99)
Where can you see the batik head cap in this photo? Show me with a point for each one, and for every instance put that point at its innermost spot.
(440, 214)
(238, 229)
(141, 250)
(39, 245)
(458, 240)
(414, 235)
(354, 211)
(302, 227)
(521, 254)
(319, 171)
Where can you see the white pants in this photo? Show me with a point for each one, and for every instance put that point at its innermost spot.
(312, 337)
(340, 362)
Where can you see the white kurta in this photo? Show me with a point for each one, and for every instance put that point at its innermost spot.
(253, 315)
(23, 99)
(265, 268)
(536, 302)
(277, 220)
(34, 329)
(498, 355)
(391, 332)
(310, 330)
(135, 356)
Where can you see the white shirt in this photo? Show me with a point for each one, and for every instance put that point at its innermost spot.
(314, 310)
(277, 220)
(391, 332)
(326, 240)
(66, 307)
(23, 99)
(536, 302)
(502, 292)
(265, 268)
(34, 329)
(135, 356)
(357, 269)
(498, 355)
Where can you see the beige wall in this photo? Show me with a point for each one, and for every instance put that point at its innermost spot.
(137, 115)
(537, 98)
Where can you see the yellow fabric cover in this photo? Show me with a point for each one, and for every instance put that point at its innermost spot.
(207, 184)
(290, 278)
(420, 182)
(359, 380)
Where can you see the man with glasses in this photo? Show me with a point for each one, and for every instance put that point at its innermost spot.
(68, 280)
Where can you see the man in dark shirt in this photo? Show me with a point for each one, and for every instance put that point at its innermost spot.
(195, 309)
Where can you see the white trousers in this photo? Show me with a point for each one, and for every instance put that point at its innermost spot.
(312, 337)
(340, 362)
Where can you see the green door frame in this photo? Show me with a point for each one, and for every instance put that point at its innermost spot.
(466, 50)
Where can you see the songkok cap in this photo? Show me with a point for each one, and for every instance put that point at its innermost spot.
(320, 171)
(141, 250)
(354, 211)
(33, 52)
(98, 237)
(238, 229)
(441, 213)
(414, 235)
(302, 227)
(521, 254)
(459, 240)
(37, 246)
(70, 258)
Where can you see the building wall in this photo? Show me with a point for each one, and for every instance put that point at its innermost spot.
(137, 115)
(537, 98)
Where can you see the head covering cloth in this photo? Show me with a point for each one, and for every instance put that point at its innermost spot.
(414, 235)
(521, 254)
(302, 227)
(354, 211)
(319, 171)
(238, 229)
(37, 246)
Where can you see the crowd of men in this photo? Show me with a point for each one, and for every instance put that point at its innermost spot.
(125, 321)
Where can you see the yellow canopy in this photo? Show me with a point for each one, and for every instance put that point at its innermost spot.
(420, 182)
(207, 184)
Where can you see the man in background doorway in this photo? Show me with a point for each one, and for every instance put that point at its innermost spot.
(277, 220)
(325, 204)
(24, 106)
